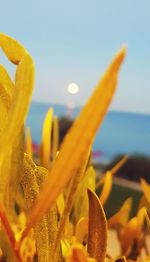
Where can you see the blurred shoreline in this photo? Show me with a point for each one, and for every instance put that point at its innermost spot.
(121, 132)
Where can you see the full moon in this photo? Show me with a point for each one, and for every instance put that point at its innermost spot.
(73, 88)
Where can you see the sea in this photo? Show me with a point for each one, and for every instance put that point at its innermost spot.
(120, 133)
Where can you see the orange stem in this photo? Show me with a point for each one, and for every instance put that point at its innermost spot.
(9, 233)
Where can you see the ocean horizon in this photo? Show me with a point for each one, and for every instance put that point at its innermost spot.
(120, 133)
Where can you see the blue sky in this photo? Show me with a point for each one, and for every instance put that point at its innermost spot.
(74, 41)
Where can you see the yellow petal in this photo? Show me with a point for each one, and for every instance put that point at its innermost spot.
(46, 139)
(75, 143)
(106, 188)
(97, 229)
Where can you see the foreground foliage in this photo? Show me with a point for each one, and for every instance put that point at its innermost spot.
(49, 211)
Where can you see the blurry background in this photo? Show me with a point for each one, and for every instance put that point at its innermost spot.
(73, 42)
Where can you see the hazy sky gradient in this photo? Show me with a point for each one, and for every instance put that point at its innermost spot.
(74, 41)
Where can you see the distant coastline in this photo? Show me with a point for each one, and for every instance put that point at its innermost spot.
(121, 132)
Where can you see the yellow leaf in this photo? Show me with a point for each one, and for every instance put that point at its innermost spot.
(141, 218)
(75, 144)
(55, 137)
(6, 91)
(19, 106)
(15, 172)
(147, 219)
(133, 230)
(6, 87)
(113, 171)
(60, 204)
(31, 191)
(106, 188)
(146, 189)
(122, 216)
(130, 234)
(70, 200)
(12, 48)
(10, 235)
(65, 246)
(81, 200)
(28, 142)
(46, 139)
(97, 229)
(78, 254)
(81, 230)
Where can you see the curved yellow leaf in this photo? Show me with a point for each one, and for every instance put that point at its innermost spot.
(146, 189)
(12, 48)
(75, 145)
(70, 200)
(78, 254)
(6, 91)
(6, 86)
(97, 229)
(46, 139)
(81, 230)
(147, 220)
(113, 171)
(31, 191)
(130, 233)
(19, 108)
(81, 204)
(119, 165)
(106, 188)
(122, 216)
(55, 137)
(10, 235)
(133, 229)
(22, 92)
(60, 204)
(15, 172)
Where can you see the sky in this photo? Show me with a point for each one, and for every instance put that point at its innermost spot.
(74, 41)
